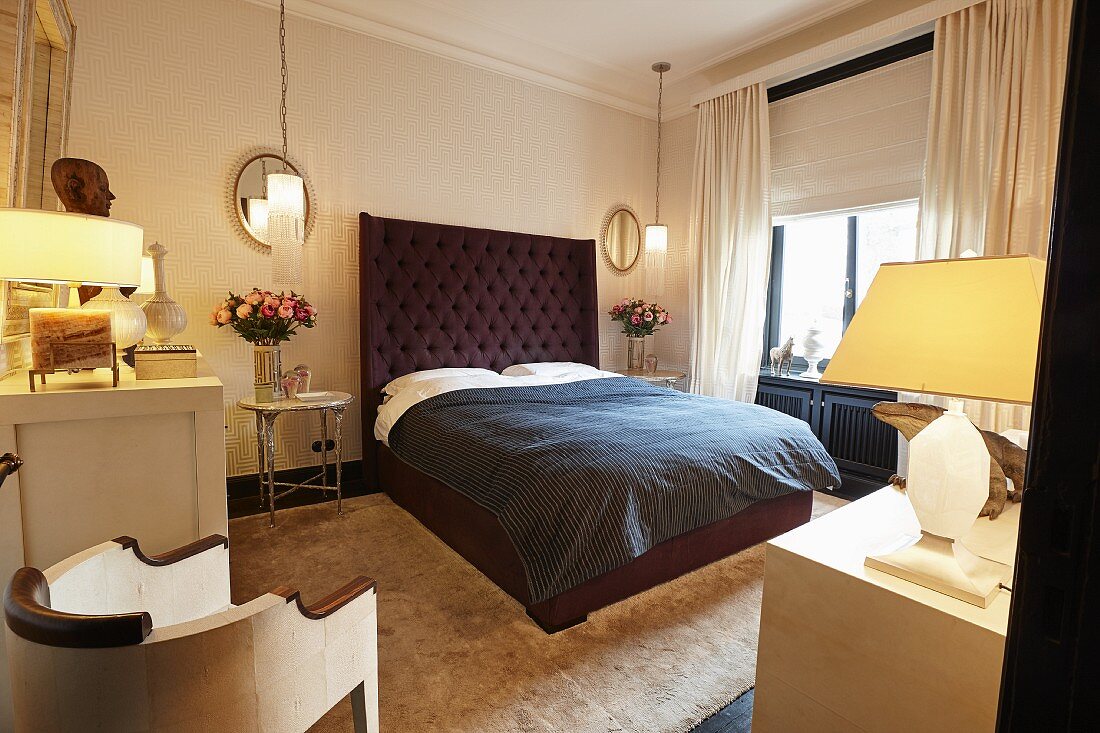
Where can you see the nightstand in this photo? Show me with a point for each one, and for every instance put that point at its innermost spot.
(666, 377)
(847, 648)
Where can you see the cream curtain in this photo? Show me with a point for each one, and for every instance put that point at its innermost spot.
(998, 70)
(730, 237)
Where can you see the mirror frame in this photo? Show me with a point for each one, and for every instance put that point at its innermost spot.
(233, 204)
(615, 269)
(16, 72)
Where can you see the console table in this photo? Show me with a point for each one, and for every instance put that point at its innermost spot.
(847, 648)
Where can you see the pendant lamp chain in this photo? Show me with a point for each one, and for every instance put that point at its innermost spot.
(660, 95)
(660, 67)
(282, 62)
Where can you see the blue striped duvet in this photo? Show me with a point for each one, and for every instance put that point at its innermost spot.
(587, 476)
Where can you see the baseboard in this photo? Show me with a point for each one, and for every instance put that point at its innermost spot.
(243, 492)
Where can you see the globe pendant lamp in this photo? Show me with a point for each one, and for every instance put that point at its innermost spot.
(286, 198)
(656, 234)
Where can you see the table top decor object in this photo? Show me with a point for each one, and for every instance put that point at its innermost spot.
(165, 361)
(966, 327)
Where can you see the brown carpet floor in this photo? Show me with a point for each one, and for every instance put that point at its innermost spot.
(457, 654)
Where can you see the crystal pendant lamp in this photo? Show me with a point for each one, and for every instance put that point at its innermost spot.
(286, 199)
(656, 234)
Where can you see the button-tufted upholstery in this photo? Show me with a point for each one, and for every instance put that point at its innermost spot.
(434, 295)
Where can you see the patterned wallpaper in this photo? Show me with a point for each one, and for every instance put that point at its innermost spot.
(166, 95)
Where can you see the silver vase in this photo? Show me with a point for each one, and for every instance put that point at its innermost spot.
(635, 352)
(269, 366)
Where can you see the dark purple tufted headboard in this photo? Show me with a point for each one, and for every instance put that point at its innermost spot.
(434, 295)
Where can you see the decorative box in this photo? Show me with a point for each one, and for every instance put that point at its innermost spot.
(165, 361)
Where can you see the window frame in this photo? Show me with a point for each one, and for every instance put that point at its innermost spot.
(775, 294)
(773, 312)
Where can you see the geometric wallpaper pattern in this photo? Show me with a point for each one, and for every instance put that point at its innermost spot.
(166, 96)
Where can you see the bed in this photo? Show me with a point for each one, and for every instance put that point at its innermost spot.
(436, 296)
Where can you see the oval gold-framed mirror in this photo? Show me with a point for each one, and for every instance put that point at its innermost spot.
(247, 196)
(621, 239)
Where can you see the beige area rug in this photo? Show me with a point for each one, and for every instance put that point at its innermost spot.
(458, 654)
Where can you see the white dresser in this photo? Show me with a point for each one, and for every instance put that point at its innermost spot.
(145, 459)
(846, 648)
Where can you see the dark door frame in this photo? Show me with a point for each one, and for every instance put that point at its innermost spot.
(1052, 657)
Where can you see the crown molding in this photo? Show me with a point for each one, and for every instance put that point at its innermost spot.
(347, 21)
(893, 29)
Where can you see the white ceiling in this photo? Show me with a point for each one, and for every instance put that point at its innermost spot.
(599, 49)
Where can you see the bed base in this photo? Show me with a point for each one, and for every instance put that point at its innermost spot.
(473, 532)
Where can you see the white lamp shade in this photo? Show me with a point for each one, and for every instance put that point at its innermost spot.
(286, 217)
(148, 280)
(257, 218)
(656, 238)
(57, 247)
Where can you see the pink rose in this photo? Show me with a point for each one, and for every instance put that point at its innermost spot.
(649, 316)
(254, 298)
(272, 301)
(636, 320)
(285, 311)
(668, 319)
(301, 314)
(244, 310)
(290, 302)
(311, 310)
(268, 310)
(661, 318)
(638, 309)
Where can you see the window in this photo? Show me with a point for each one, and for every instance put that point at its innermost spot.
(822, 267)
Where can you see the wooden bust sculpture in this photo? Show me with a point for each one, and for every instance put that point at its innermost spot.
(82, 186)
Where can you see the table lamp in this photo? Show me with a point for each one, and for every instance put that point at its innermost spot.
(69, 249)
(959, 328)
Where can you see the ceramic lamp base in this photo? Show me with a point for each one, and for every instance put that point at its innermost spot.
(945, 566)
(128, 322)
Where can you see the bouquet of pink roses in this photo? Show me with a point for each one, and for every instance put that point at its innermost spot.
(263, 317)
(638, 317)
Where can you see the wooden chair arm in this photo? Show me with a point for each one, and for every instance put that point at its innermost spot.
(173, 556)
(332, 602)
(28, 614)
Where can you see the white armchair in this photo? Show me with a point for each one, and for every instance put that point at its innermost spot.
(112, 640)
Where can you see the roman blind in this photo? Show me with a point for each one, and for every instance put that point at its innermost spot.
(854, 143)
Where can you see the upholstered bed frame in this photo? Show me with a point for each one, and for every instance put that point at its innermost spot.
(434, 295)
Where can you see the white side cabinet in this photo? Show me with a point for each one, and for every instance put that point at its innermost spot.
(846, 648)
(145, 459)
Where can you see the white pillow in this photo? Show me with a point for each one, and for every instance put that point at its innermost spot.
(404, 381)
(552, 369)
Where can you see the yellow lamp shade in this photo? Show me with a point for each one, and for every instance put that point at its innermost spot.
(51, 246)
(962, 328)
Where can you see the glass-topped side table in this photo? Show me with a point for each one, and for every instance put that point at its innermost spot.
(667, 377)
(266, 415)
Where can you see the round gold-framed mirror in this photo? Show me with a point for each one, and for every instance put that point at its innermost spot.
(621, 239)
(247, 197)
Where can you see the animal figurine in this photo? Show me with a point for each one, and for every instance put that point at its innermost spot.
(780, 355)
(1007, 460)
